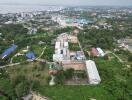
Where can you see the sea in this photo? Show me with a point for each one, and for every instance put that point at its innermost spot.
(17, 8)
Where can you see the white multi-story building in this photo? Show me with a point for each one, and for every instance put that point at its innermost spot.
(61, 49)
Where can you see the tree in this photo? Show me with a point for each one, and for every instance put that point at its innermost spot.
(22, 89)
(130, 57)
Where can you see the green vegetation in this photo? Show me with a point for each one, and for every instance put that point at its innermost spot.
(125, 55)
(6, 87)
(115, 85)
(13, 31)
(19, 59)
(75, 92)
(74, 47)
(16, 81)
(100, 38)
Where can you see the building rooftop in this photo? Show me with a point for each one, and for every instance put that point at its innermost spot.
(30, 55)
(57, 45)
(8, 51)
(92, 71)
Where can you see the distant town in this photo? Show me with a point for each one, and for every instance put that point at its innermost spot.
(82, 53)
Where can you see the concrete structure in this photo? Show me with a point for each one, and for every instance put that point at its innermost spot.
(63, 55)
(101, 52)
(80, 55)
(66, 44)
(65, 21)
(57, 57)
(76, 65)
(61, 48)
(57, 45)
(92, 72)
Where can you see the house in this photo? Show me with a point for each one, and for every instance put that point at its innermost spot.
(101, 52)
(94, 52)
(30, 55)
(92, 72)
(32, 31)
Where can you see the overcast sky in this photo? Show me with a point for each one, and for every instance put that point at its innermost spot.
(71, 2)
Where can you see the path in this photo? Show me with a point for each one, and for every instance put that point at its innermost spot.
(120, 60)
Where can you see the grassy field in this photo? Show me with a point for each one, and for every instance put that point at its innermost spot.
(33, 71)
(75, 92)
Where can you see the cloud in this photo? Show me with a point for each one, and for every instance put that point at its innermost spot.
(71, 2)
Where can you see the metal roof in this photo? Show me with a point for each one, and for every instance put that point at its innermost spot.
(100, 51)
(30, 55)
(8, 51)
(92, 71)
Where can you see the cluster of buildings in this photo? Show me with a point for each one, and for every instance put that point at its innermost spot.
(71, 21)
(21, 17)
(13, 48)
(126, 44)
(97, 52)
(67, 58)
(61, 48)
(75, 59)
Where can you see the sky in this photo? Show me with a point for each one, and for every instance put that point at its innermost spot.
(71, 2)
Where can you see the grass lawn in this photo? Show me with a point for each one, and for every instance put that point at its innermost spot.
(75, 93)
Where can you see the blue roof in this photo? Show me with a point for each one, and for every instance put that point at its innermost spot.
(8, 51)
(79, 20)
(30, 55)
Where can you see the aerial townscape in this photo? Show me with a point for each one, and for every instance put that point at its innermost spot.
(66, 53)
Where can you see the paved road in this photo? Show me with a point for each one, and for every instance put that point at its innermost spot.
(81, 48)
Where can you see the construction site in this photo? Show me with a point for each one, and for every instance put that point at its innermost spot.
(75, 59)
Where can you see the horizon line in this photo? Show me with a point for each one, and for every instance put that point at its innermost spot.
(64, 5)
